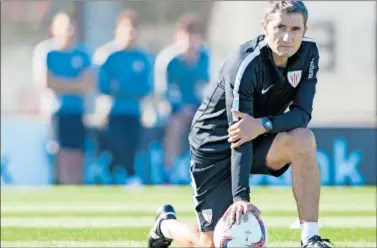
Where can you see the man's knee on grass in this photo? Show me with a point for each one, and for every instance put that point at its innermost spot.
(206, 240)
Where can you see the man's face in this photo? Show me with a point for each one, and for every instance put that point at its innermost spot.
(62, 27)
(284, 33)
(125, 31)
(190, 41)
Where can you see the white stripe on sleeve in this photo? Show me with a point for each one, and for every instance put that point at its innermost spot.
(240, 72)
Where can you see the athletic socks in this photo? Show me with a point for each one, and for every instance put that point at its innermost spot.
(166, 226)
(308, 230)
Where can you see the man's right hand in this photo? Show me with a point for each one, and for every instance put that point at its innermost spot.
(237, 209)
(246, 129)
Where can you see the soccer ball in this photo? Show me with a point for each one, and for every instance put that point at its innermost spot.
(252, 233)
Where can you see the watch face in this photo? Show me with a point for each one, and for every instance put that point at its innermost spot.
(268, 124)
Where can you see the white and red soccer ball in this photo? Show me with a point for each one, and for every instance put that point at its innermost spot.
(252, 233)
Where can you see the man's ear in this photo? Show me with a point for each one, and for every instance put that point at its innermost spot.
(264, 27)
(305, 29)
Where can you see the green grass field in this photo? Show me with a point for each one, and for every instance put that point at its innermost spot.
(119, 217)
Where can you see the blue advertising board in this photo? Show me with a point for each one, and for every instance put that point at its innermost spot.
(23, 160)
(346, 156)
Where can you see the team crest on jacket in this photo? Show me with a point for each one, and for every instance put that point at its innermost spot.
(77, 62)
(207, 215)
(294, 78)
(138, 66)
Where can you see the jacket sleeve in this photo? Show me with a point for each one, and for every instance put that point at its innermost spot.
(239, 88)
(300, 112)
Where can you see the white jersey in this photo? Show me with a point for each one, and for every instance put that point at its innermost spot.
(48, 102)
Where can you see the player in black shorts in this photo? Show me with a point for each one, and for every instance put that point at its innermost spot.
(243, 127)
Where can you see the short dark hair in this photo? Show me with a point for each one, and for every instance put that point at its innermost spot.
(190, 23)
(129, 15)
(287, 7)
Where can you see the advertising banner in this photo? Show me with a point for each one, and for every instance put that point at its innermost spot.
(23, 157)
(346, 156)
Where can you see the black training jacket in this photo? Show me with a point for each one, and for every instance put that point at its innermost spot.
(249, 81)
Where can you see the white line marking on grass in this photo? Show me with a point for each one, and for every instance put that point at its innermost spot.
(112, 222)
(338, 244)
(73, 244)
(125, 244)
(152, 208)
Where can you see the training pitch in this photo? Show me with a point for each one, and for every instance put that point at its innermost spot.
(119, 217)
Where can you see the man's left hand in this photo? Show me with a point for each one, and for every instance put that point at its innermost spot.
(246, 129)
(237, 209)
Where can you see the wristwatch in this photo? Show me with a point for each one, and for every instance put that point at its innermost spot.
(267, 124)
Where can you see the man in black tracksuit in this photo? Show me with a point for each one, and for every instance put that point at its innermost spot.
(260, 90)
(242, 128)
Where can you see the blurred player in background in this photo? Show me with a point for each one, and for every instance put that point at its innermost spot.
(125, 78)
(62, 66)
(181, 74)
(246, 107)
